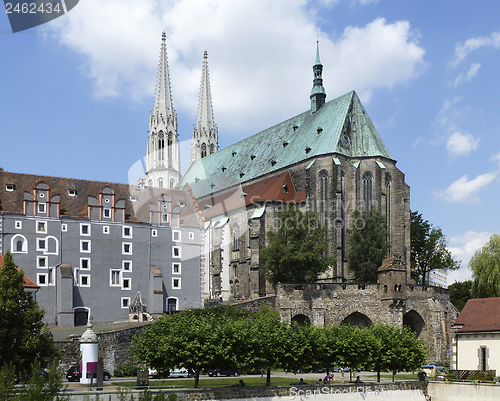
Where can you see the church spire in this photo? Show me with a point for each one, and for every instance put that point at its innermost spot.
(163, 153)
(205, 132)
(318, 94)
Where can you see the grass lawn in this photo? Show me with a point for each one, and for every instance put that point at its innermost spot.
(214, 382)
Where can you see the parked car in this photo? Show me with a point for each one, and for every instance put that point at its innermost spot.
(182, 372)
(74, 374)
(27, 377)
(222, 372)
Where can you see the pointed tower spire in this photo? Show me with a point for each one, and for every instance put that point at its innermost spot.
(318, 94)
(205, 132)
(162, 153)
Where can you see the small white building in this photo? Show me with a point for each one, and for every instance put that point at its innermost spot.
(476, 340)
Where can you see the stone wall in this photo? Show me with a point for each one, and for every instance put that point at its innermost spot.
(114, 348)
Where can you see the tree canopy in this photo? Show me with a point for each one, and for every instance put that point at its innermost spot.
(24, 339)
(368, 244)
(460, 293)
(428, 250)
(295, 253)
(485, 267)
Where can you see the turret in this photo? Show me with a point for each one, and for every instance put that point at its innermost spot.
(318, 94)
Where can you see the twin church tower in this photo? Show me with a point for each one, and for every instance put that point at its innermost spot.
(163, 165)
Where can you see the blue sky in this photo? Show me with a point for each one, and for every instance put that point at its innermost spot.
(75, 93)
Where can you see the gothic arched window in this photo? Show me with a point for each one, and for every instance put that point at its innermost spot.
(323, 196)
(212, 148)
(169, 145)
(236, 237)
(172, 183)
(161, 147)
(367, 190)
(160, 183)
(388, 183)
(203, 150)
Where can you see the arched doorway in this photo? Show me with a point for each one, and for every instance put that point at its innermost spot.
(303, 320)
(414, 321)
(357, 319)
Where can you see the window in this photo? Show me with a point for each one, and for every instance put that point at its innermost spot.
(105, 229)
(85, 229)
(41, 226)
(191, 235)
(84, 280)
(127, 265)
(85, 263)
(41, 244)
(367, 190)
(176, 235)
(85, 246)
(126, 283)
(115, 278)
(154, 233)
(125, 302)
(176, 283)
(19, 244)
(176, 251)
(41, 261)
(164, 217)
(323, 196)
(64, 228)
(106, 212)
(9, 187)
(127, 232)
(203, 150)
(133, 198)
(42, 208)
(19, 225)
(72, 192)
(42, 279)
(236, 237)
(176, 268)
(127, 248)
(160, 183)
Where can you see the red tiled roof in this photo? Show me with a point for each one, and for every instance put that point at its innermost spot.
(482, 314)
(267, 189)
(28, 283)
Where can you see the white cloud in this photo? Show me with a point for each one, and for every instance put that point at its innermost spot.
(461, 143)
(260, 54)
(496, 158)
(462, 50)
(474, 68)
(463, 248)
(463, 190)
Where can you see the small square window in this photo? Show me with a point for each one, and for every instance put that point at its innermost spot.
(85, 229)
(115, 278)
(125, 302)
(41, 226)
(42, 207)
(41, 261)
(85, 246)
(42, 279)
(9, 187)
(85, 263)
(40, 244)
(133, 198)
(72, 192)
(127, 232)
(105, 229)
(19, 225)
(176, 251)
(176, 235)
(176, 283)
(191, 235)
(64, 228)
(176, 268)
(127, 265)
(126, 283)
(154, 233)
(84, 280)
(106, 213)
(127, 248)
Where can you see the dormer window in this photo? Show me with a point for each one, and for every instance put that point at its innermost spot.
(295, 127)
(253, 157)
(285, 144)
(285, 189)
(9, 187)
(72, 192)
(133, 198)
(308, 149)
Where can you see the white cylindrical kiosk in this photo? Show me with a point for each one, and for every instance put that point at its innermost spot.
(89, 346)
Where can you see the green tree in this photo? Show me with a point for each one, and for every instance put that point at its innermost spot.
(196, 339)
(460, 293)
(368, 243)
(24, 339)
(295, 253)
(428, 250)
(485, 267)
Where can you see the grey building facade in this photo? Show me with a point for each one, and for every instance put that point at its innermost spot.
(112, 252)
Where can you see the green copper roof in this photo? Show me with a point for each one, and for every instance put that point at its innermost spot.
(341, 126)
